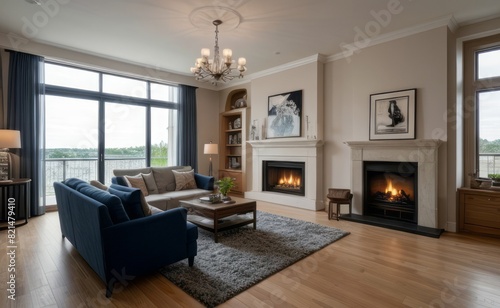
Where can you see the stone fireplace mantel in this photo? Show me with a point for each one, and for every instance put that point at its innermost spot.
(280, 143)
(422, 151)
(308, 151)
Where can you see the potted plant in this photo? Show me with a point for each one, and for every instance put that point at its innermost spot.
(225, 184)
(496, 178)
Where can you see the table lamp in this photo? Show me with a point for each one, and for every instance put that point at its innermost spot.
(9, 139)
(211, 149)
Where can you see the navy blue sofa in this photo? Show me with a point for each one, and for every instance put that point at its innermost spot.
(116, 247)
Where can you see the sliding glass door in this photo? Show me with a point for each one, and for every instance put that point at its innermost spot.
(71, 140)
(125, 138)
(163, 137)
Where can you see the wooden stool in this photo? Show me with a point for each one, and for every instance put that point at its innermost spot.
(338, 196)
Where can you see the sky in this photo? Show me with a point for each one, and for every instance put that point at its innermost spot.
(72, 123)
(489, 102)
(489, 113)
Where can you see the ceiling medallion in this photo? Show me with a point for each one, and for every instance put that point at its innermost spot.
(203, 17)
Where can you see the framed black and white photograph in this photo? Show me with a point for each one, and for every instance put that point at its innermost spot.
(284, 116)
(392, 115)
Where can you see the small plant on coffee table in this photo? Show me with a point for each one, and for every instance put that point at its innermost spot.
(225, 184)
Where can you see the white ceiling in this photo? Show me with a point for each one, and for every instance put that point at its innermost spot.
(159, 33)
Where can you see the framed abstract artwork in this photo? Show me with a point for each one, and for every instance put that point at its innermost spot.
(284, 115)
(392, 115)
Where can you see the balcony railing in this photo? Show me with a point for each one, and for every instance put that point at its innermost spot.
(489, 163)
(60, 169)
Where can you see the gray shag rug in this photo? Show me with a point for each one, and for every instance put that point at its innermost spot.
(244, 256)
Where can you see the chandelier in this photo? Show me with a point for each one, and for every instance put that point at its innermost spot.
(219, 68)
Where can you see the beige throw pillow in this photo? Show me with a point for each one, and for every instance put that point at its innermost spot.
(146, 208)
(184, 180)
(138, 182)
(98, 185)
(149, 179)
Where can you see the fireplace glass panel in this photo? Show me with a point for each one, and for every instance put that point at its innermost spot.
(284, 177)
(390, 190)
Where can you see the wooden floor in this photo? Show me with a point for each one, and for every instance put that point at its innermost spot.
(372, 267)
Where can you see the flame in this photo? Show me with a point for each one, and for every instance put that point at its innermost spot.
(390, 189)
(290, 181)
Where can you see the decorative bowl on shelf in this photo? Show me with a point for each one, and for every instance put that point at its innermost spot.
(240, 103)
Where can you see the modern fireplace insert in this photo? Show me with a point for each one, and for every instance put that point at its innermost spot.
(284, 177)
(390, 190)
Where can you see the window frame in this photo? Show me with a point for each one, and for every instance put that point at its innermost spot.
(104, 98)
(472, 87)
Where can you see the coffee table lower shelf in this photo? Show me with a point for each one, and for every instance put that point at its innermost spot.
(221, 217)
(224, 224)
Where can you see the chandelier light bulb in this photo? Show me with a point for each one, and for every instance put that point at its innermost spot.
(205, 52)
(227, 52)
(242, 61)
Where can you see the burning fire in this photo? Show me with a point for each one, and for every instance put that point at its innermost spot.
(391, 190)
(393, 194)
(289, 182)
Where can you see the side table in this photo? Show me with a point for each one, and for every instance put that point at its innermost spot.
(15, 192)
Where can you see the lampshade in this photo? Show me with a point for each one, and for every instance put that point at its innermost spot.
(211, 148)
(10, 139)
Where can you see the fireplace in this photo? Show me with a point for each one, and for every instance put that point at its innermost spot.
(390, 190)
(285, 177)
(307, 152)
(422, 154)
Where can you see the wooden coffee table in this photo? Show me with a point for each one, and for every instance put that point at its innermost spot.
(220, 216)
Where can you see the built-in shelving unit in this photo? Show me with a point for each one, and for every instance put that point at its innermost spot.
(233, 137)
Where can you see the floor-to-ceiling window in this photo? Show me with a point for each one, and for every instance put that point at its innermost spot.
(96, 122)
(482, 106)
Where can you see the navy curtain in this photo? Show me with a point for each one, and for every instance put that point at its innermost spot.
(24, 113)
(187, 148)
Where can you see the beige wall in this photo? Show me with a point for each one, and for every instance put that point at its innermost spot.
(208, 126)
(309, 79)
(418, 61)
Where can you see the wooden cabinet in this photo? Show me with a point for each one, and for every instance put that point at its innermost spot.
(232, 159)
(479, 211)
